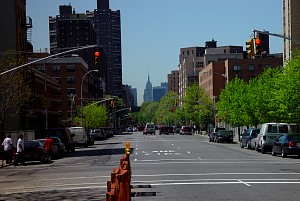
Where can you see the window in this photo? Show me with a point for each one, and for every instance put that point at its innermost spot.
(237, 68)
(41, 69)
(268, 66)
(70, 80)
(70, 69)
(70, 91)
(56, 69)
(251, 67)
(58, 79)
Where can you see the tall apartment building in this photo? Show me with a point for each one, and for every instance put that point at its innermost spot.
(190, 63)
(134, 93)
(108, 35)
(216, 74)
(173, 81)
(291, 26)
(14, 25)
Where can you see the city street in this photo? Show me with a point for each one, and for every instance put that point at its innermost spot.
(164, 167)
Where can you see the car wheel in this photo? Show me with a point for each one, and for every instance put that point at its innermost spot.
(283, 154)
(273, 152)
(248, 145)
(263, 150)
(256, 147)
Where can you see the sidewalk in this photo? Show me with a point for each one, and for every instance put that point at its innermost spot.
(3, 164)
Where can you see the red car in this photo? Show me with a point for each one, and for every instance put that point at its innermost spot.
(166, 130)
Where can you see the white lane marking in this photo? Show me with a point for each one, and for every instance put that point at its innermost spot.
(199, 158)
(216, 183)
(172, 144)
(213, 174)
(244, 183)
(188, 152)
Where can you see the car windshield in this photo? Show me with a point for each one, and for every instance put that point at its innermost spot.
(294, 137)
(222, 132)
(150, 126)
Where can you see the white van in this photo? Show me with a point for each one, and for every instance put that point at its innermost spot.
(268, 133)
(80, 136)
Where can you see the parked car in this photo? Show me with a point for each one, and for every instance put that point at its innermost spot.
(287, 144)
(177, 129)
(55, 148)
(130, 129)
(214, 132)
(268, 133)
(108, 132)
(149, 129)
(186, 130)
(80, 136)
(64, 135)
(248, 136)
(141, 128)
(33, 151)
(223, 136)
(166, 130)
(97, 134)
(61, 148)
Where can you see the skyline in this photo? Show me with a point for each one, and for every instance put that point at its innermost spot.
(153, 31)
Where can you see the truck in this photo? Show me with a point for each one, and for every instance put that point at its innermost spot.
(268, 133)
(80, 136)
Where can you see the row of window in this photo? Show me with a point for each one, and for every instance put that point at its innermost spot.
(57, 69)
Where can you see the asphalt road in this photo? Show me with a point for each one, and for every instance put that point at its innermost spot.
(164, 167)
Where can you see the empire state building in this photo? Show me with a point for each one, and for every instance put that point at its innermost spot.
(148, 96)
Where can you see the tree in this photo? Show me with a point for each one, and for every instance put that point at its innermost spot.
(196, 105)
(288, 97)
(14, 90)
(94, 116)
(167, 112)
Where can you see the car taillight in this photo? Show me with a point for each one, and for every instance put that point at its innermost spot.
(292, 144)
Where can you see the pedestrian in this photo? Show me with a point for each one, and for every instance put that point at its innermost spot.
(244, 132)
(8, 149)
(20, 151)
(48, 146)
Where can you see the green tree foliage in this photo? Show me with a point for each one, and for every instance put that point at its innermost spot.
(167, 112)
(196, 105)
(94, 116)
(147, 112)
(288, 96)
(14, 89)
(271, 97)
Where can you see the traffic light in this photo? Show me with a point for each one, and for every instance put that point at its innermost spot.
(250, 48)
(257, 46)
(97, 58)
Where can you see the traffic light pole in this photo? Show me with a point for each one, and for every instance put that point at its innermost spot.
(276, 35)
(45, 58)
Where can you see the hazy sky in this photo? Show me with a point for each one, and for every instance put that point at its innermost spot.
(153, 31)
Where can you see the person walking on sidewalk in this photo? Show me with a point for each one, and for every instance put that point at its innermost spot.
(8, 151)
(48, 146)
(20, 151)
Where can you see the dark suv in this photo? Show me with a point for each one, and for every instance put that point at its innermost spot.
(213, 133)
(65, 136)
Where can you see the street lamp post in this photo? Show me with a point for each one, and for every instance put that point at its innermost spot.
(81, 93)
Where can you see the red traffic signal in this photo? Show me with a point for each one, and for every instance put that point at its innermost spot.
(257, 41)
(257, 46)
(97, 54)
(97, 58)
